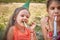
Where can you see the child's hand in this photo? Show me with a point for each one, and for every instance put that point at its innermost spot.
(33, 25)
(44, 23)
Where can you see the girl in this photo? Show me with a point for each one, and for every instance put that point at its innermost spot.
(47, 23)
(16, 29)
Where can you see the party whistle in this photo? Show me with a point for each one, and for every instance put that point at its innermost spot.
(55, 28)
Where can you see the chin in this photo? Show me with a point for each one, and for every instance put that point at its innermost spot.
(22, 25)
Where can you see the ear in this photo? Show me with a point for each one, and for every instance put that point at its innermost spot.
(15, 18)
(47, 10)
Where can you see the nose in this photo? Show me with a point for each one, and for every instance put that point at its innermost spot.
(56, 11)
(25, 18)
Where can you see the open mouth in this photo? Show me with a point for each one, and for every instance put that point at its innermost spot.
(24, 21)
(25, 24)
(56, 14)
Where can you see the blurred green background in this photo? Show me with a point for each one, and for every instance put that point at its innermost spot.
(21, 1)
(37, 9)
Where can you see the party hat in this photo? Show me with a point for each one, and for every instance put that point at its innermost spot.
(26, 5)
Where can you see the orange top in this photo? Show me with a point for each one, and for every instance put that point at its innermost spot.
(18, 35)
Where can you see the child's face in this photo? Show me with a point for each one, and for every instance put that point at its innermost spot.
(54, 10)
(23, 16)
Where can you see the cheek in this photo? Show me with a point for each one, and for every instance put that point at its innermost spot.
(59, 12)
(18, 19)
(27, 21)
(51, 12)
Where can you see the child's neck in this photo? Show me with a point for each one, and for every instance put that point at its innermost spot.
(19, 26)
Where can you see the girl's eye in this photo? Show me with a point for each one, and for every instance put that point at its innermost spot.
(58, 8)
(27, 17)
(52, 8)
(22, 15)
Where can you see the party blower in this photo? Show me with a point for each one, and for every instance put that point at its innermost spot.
(55, 29)
(25, 24)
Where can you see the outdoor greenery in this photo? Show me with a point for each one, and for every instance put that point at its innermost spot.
(10, 1)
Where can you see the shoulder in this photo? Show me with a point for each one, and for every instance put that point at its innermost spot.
(11, 28)
(10, 31)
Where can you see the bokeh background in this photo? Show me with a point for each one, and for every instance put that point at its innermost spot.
(37, 9)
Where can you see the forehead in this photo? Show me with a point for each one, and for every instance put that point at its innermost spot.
(55, 3)
(24, 11)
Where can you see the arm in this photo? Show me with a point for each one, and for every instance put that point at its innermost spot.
(33, 35)
(10, 34)
(44, 27)
(44, 33)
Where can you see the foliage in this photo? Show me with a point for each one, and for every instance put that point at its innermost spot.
(1, 30)
(10, 1)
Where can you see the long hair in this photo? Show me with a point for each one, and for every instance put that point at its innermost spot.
(12, 21)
